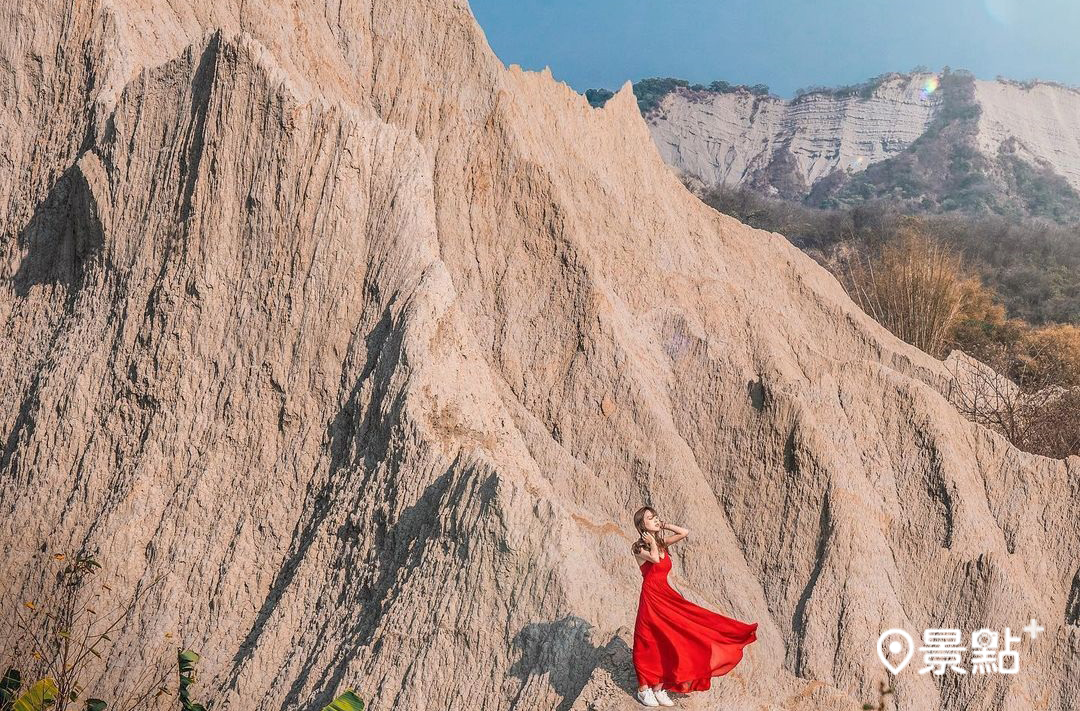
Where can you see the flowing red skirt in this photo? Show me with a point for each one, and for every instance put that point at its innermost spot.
(679, 644)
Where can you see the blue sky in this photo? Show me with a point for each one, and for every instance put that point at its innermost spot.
(786, 44)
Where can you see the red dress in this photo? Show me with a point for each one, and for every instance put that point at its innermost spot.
(679, 644)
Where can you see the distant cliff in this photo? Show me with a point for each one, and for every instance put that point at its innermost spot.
(932, 142)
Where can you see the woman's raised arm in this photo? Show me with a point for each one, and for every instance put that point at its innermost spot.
(679, 531)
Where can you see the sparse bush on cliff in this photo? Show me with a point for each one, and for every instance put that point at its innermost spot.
(863, 90)
(1028, 392)
(63, 640)
(59, 645)
(913, 285)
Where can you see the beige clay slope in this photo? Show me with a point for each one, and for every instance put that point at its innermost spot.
(373, 346)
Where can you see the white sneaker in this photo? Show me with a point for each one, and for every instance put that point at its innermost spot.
(662, 697)
(647, 697)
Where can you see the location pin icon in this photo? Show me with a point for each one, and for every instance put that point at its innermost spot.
(900, 644)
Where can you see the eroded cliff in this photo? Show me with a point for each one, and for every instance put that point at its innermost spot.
(927, 142)
(371, 346)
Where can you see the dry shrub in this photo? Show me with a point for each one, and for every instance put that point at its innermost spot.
(1054, 355)
(1054, 428)
(66, 632)
(913, 285)
(918, 288)
(1031, 390)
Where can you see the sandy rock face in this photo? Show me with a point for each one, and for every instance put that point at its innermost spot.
(372, 346)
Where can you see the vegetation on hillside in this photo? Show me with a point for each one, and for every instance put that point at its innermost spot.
(598, 97)
(1034, 189)
(58, 647)
(650, 92)
(862, 90)
(1007, 294)
(943, 171)
(1032, 266)
(1032, 83)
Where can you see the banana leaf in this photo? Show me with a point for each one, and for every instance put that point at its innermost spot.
(39, 697)
(346, 702)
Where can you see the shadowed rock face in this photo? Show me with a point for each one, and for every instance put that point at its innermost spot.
(372, 346)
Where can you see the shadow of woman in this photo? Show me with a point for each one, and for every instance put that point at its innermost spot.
(565, 651)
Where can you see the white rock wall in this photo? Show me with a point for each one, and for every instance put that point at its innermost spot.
(1044, 120)
(727, 138)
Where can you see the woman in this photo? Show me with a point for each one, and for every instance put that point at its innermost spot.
(678, 646)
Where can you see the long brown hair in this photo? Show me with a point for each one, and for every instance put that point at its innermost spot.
(639, 524)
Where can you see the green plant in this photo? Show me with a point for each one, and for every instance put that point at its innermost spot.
(63, 638)
(864, 90)
(598, 97)
(346, 702)
(9, 687)
(39, 697)
(649, 92)
(186, 660)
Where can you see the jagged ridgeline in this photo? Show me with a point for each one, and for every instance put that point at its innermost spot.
(366, 347)
(925, 142)
(649, 92)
